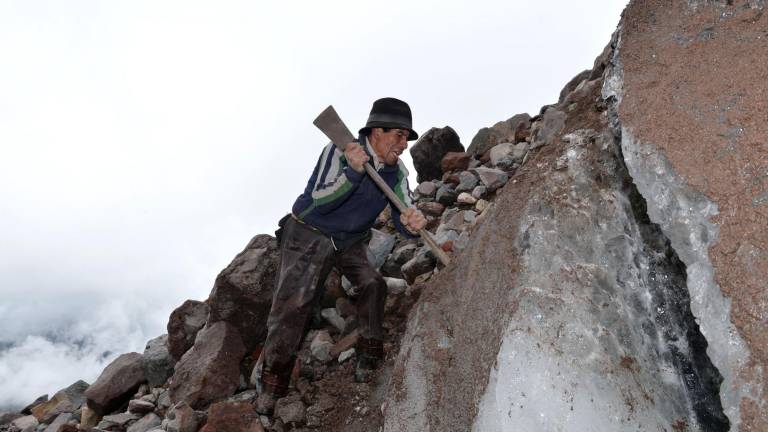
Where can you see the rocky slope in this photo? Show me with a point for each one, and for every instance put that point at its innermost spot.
(608, 263)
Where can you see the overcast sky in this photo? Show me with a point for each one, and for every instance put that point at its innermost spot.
(143, 143)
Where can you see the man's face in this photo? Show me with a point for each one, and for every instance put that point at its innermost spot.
(389, 145)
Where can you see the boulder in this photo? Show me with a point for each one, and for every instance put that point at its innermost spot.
(158, 361)
(116, 384)
(146, 423)
(491, 178)
(429, 150)
(232, 417)
(183, 325)
(138, 406)
(426, 189)
(117, 421)
(242, 293)
(455, 161)
(181, 418)
(503, 131)
(446, 195)
(25, 424)
(291, 410)
(467, 182)
(6, 417)
(211, 369)
(549, 129)
(64, 401)
(321, 346)
(431, 208)
(88, 418)
(422, 262)
(28, 409)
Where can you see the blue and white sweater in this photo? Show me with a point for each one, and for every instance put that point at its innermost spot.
(343, 203)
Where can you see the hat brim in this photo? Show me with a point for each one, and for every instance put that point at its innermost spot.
(412, 135)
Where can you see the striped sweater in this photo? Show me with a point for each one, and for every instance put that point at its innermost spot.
(343, 203)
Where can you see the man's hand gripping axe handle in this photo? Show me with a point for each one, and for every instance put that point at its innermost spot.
(331, 125)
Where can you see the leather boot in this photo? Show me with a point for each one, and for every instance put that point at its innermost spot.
(370, 354)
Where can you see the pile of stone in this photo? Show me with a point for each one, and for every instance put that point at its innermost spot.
(203, 374)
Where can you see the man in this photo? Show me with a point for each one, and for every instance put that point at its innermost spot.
(330, 226)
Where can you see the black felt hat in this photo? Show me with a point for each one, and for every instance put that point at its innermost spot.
(390, 113)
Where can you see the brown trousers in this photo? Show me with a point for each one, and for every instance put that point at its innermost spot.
(307, 256)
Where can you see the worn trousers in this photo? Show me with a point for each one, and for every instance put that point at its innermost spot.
(307, 257)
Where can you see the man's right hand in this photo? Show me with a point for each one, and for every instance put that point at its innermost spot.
(356, 156)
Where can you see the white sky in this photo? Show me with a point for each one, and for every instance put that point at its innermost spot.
(143, 143)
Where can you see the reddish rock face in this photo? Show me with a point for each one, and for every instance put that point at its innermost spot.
(232, 417)
(116, 384)
(695, 88)
(210, 370)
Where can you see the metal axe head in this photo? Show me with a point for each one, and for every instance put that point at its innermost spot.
(331, 125)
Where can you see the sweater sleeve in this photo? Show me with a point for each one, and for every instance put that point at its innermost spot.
(336, 180)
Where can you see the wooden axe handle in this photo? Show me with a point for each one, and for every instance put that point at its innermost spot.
(331, 125)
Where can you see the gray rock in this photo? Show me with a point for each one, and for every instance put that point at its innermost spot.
(426, 189)
(117, 420)
(467, 182)
(479, 191)
(429, 150)
(430, 208)
(158, 362)
(164, 400)
(151, 398)
(346, 355)
(503, 131)
(397, 258)
(548, 129)
(138, 406)
(246, 396)
(149, 421)
(501, 153)
(422, 262)
(25, 424)
(491, 178)
(116, 384)
(181, 418)
(446, 196)
(242, 293)
(183, 325)
(60, 421)
(321, 346)
(333, 318)
(395, 286)
(211, 369)
(291, 410)
(6, 417)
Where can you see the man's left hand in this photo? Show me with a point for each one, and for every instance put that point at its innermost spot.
(413, 220)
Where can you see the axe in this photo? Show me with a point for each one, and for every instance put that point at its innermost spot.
(331, 125)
